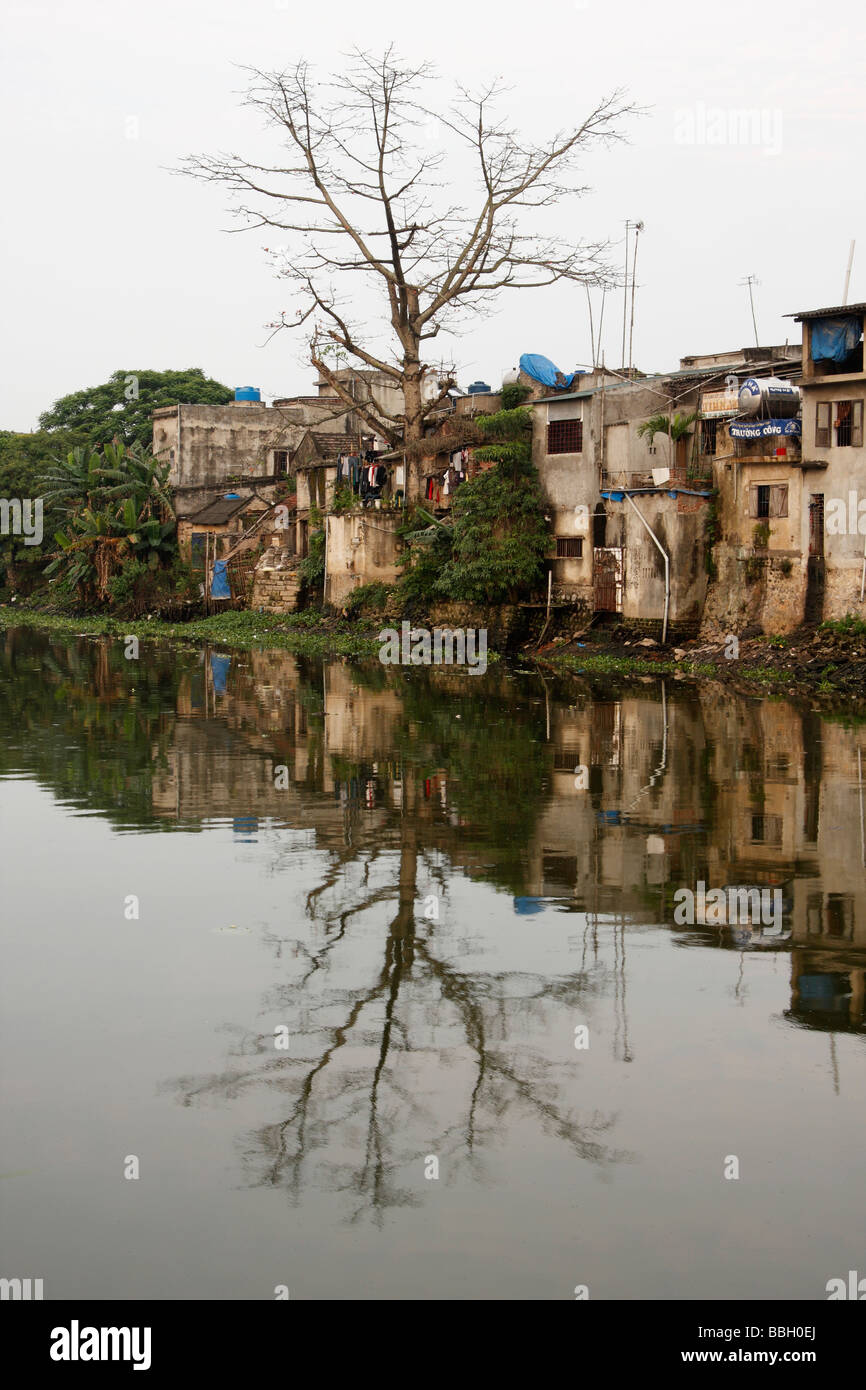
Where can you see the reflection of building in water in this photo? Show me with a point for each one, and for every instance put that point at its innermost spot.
(625, 809)
(791, 810)
(827, 990)
(649, 797)
(260, 735)
(657, 790)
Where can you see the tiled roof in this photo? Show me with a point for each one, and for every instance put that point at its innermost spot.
(327, 445)
(219, 512)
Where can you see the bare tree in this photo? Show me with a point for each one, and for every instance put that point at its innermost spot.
(357, 185)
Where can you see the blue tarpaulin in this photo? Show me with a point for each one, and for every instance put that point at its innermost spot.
(219, 586)
(834, 339)
(543, 370)
(219, 666)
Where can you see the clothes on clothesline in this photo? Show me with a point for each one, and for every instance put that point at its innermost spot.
(373, 479)
(441, 485)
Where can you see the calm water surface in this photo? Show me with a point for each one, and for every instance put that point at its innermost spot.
(424, 883)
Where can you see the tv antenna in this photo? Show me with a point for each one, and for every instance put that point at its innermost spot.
(638, 227)
(848, 273)
(751, 280)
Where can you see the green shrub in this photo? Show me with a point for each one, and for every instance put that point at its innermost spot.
(506, 424)
(312, 567)
(367, 596)
(500, 539)
(850, 626)
(514, 395)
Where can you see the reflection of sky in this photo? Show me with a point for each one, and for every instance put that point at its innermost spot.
(558, 1165)
(133, 1006)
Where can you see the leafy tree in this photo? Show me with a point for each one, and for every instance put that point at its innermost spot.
(118, 511)
(358, 186)
(123, 406)
(24, 458)
(500, 538)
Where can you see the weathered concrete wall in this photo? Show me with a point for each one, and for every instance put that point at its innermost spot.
(502, 622)
(570, 486)
(362, 547)
(208, 446)
(844, 475)
(367, 386)
(680, 527)
(757, 585)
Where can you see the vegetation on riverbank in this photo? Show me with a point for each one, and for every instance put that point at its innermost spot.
(828, 664)
(829, 661)
(306, 633)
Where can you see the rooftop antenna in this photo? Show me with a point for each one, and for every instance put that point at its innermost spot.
(628, 225)
(638, 228)
(591, 331)
(751, 280)
(848, 272)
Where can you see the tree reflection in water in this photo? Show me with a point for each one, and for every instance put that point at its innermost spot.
(423, 1058)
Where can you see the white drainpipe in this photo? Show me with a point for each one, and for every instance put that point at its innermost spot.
(666, 559)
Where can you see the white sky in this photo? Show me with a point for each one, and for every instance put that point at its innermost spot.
(109, 262)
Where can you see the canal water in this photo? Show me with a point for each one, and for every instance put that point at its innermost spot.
(369, 983)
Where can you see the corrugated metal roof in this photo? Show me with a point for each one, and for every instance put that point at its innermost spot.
(827, 313)
(565, 396)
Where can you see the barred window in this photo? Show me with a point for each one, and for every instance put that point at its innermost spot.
(565, 437)
(569, 547)
(849, 424)
(708, 436)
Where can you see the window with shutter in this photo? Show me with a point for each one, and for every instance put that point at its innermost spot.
(759, 500)
(778, 500)
(822, 425)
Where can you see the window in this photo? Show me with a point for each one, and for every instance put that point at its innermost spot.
(708, 436)
(196, 549)
(768, 500)
(569, 547)
(565, 437)
(848, 423)
(822, 425)
(281, 461)
(766, 830)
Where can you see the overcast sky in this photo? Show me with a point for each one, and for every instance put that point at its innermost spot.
(109, 262)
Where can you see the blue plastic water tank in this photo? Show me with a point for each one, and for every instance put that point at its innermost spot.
(247, 393)
(478, 388)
